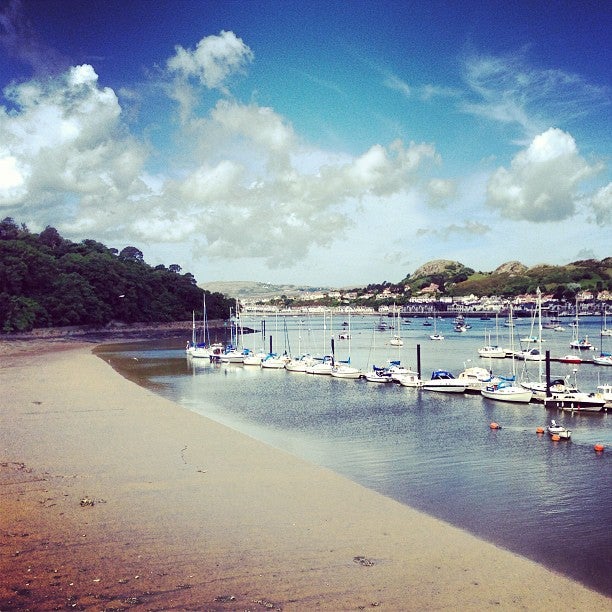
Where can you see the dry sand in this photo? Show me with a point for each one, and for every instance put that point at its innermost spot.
(114, 498)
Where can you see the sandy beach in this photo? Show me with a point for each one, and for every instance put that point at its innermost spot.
(114, 498)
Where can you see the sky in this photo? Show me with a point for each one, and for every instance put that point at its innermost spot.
(320, 143)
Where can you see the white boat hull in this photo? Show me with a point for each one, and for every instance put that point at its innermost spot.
(444, 386)
(576, 402)
(346, 372)
(507, 394)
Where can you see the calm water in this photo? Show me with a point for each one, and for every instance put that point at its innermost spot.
(550, 501)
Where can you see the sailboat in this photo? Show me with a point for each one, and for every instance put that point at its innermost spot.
(254, 358)
(494, 351)
(506, 390)
(322, 365)
(396, 339)
(377, 374)
(273, 360)
(203, 350)
(235, 353)
(581, 344)
(605, 331)
(302, 361)
(436, 335)
(604, 359)
(344, 369)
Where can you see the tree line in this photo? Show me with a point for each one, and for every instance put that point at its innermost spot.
(49, 281)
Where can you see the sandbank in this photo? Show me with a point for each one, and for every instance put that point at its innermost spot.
(115, 498)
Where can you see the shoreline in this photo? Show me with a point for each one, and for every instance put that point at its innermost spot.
(116, 498)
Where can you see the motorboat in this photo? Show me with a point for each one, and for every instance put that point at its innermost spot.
(575, 401)
(410, 379)
(570, 359)
(538, 389)
(533, 354)
(507, 391)
(554, 429)
(445, 382)
(475, 378)
(436, 337)
(233, 356)
(605, 391)
(492, 351)
(395, 370)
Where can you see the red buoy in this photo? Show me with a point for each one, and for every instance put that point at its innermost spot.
(495, 426)
(598, 448)
(555, 437)
(540, 430)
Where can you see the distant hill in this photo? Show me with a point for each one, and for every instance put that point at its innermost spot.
(258, 291)
(512, 278)
(452, 278)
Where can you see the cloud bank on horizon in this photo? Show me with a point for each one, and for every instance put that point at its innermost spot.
(230, 183)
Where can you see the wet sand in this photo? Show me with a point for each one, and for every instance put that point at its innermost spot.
(115, 498)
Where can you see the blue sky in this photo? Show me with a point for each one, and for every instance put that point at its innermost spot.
(321, 143)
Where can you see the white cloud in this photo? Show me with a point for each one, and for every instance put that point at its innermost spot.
(213, 60)
(601, 205)
(64, 143)
(467, 229)
(244, 184)
(439, 191)
(394, 82)
(543, 181)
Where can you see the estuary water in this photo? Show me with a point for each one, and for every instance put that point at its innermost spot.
(549, 501)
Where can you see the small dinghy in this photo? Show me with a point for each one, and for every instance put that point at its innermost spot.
(554, 429)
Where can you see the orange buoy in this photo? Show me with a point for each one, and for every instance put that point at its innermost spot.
(495, 426)
(540, 430)
(598, 448)
(555, 437)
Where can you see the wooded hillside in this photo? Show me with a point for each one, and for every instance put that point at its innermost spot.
(46, 280)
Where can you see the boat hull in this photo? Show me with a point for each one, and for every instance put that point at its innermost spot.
(508, 394)
(444, 386)
(575, 403)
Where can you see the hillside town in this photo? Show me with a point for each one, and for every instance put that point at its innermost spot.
(428, 302)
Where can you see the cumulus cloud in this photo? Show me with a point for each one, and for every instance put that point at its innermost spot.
(63, 144)
(278, 211)
(543, 181)
(213, 60)
(440, 191)
(251, 187)
(601, 205)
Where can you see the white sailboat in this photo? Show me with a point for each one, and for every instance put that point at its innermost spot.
(396, 339)
(605, 331)
(506, 390)
(344, 369)
(436, 335)
(581, 344)
(493, 351)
